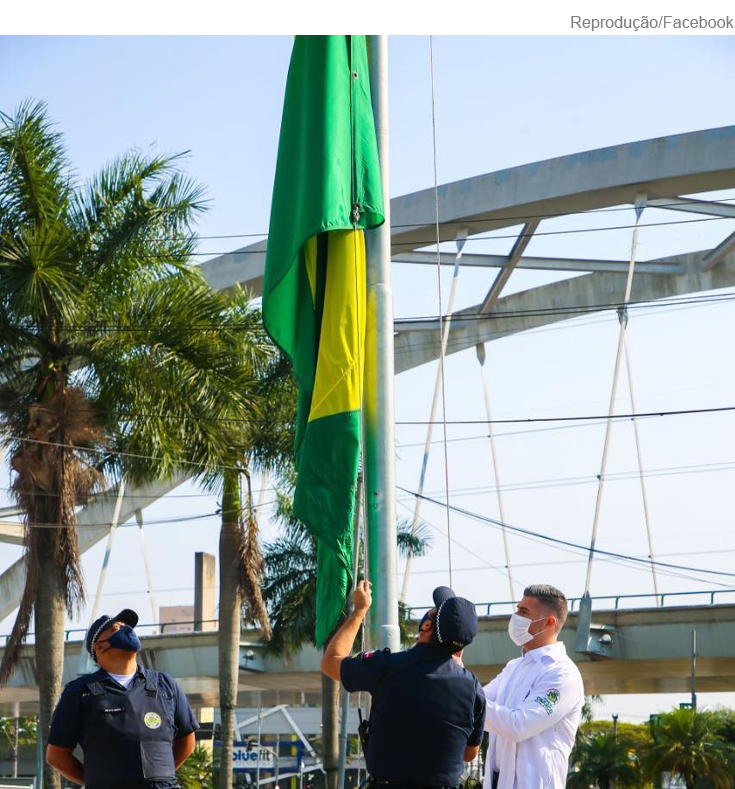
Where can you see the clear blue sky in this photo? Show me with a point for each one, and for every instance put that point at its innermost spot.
(500, 102)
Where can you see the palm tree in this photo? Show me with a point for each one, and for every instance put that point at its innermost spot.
(270, 438)
(116, 358)
(689, 744)
(289, 589)
(603, 761)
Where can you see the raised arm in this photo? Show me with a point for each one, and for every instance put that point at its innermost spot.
(341, 644)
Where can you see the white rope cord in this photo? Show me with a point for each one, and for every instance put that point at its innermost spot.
(441, 320)
(640, 204)
(480, 348)
(460, 241)
(639, 455)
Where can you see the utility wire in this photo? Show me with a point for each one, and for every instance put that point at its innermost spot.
(519, 217)
(183, 256)
(663, 305)
(531, 420)
(520, 420)
(154, 522)
(558, 541)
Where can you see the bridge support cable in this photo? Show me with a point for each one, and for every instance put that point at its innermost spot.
(146, 564)
(488, 303)
(83, 656)
(639, 454)
(261, 496)
(480, 348)
(460, 241)
(640, 204)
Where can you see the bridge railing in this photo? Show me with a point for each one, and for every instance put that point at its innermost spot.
(147, 628)
(506, 606)
(709, 596)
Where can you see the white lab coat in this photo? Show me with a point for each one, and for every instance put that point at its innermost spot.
(533, 710)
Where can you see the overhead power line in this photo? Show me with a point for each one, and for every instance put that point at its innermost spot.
(558, 541)
(531, 420)
(183, 256)
(520, 217)
(662, 305)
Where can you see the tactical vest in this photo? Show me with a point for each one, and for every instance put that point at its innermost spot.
(127, 735)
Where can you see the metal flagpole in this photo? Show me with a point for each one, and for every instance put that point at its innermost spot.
(345, 707)
(380, 484)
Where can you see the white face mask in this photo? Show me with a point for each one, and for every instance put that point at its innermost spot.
(518, 629)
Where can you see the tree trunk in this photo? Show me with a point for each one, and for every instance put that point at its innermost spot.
(49, 611)
(15, 745)
(330, 730)
(230, 605)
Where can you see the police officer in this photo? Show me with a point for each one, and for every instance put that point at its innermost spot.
(428, 711)
(134, 725)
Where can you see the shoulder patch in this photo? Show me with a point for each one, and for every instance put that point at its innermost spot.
(553, 696)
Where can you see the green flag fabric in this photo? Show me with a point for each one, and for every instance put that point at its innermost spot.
(327, 191)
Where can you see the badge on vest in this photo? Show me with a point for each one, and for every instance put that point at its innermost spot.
(152, 720)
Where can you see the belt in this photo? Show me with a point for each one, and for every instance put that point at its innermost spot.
(380, 782)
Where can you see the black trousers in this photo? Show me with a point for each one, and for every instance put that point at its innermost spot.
(496, 778)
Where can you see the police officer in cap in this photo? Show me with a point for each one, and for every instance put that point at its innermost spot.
(428, 711)
(134, 725)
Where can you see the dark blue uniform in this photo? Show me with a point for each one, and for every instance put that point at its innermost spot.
(126, 734)
(425, 710)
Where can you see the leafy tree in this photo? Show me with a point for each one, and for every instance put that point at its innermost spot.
(116, 358)
(18, 732)
(604, 761)
(197, 771)
(289, 590)
(689, 744)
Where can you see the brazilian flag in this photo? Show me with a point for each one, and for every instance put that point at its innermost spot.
(327, 191)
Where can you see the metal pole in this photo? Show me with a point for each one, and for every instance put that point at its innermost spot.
(694, 670)
(40, 761)
(615, 735)
(461, 238)
(260, 722)
(345, 706)
(480, 348)
(378, 396)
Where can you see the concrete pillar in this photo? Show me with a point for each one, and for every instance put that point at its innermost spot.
(204, 589)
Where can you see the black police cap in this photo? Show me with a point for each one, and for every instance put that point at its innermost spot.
(456, 621)
(442, 593)
(127, 615)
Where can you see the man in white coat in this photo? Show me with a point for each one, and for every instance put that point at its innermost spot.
(535, 704)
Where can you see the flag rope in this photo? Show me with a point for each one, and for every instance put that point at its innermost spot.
(441, 319)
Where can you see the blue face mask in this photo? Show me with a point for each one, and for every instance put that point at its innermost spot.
(423, 619)
(125, 638)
